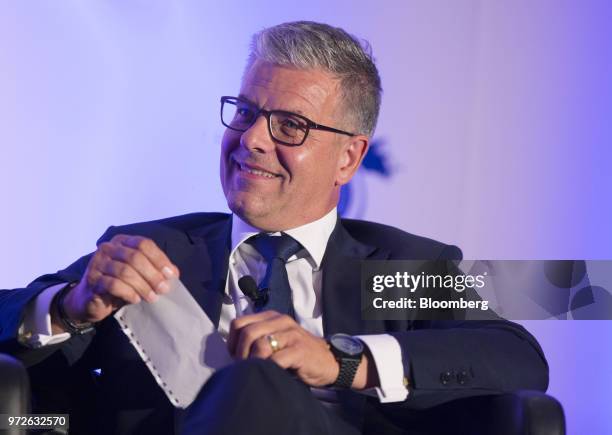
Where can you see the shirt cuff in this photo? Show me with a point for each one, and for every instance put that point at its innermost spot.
(35, 331)
(387, 355)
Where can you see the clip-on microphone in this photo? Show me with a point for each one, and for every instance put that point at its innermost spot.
(259, 297)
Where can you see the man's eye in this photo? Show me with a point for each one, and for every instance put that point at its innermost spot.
(293, 123)
(290, 124)
(245, 112)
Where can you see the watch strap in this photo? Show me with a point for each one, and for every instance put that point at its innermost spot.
(70, 325)
(348, 370)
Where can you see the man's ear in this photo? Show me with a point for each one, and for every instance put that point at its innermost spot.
(351, 157)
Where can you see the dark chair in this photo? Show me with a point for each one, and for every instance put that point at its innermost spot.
(528, 412)
(14, 390)
(519, 413)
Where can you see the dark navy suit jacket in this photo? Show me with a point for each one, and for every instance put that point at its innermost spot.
(444, 360)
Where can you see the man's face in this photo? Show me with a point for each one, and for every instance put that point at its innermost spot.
(300, 183)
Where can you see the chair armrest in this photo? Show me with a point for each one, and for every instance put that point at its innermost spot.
(528, 412)
(14, 389)
(523, 412)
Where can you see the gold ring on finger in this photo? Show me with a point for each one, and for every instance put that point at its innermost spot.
(273, 343)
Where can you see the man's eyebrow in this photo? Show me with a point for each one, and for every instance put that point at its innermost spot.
(244, 97)
(248, 100)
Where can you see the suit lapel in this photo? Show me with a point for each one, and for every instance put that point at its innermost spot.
(203, 261)
(341, 292)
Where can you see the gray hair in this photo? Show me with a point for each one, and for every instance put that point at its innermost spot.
(306, 45)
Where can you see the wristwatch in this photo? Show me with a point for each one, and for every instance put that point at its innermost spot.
(348, 351)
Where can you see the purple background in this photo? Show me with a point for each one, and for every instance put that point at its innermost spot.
(496, 123)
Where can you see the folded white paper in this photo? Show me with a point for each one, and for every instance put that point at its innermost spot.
(178, 342)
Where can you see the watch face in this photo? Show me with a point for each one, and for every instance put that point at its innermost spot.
(347, 344)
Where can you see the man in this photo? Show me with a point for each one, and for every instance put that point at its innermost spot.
(297, 131)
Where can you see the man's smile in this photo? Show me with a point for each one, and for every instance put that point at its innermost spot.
(253, 171)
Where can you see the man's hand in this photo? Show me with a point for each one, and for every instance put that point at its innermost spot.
(125, 270)
(308, 356)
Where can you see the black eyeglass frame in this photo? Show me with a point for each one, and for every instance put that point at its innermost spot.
(268, 114)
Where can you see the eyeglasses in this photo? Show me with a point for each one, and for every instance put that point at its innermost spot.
(285, 127)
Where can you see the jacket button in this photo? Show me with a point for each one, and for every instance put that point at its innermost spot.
(462, 378)
(445, 377)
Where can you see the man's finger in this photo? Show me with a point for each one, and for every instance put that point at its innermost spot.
(240, 322)
(140, 263)
(253, 331)
(156, 256)
(127, 274)
(288, 358)
(263, 346)
(109, 285)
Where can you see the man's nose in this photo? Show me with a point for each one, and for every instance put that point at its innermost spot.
(257, 137)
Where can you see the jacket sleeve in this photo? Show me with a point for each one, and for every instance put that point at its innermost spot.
(448, 359)
(13, 304)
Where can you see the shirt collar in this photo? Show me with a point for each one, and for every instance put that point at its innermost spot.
(312, 236)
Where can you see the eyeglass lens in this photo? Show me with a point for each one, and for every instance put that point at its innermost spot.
(284, 126)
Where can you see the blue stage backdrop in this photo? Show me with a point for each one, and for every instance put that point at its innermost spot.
(494, 135)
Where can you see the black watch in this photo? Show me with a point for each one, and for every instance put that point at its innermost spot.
(348, 351)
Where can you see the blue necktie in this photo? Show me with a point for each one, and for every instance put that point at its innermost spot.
(276, 250)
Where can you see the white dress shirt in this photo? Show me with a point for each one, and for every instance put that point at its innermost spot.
(305, 275)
